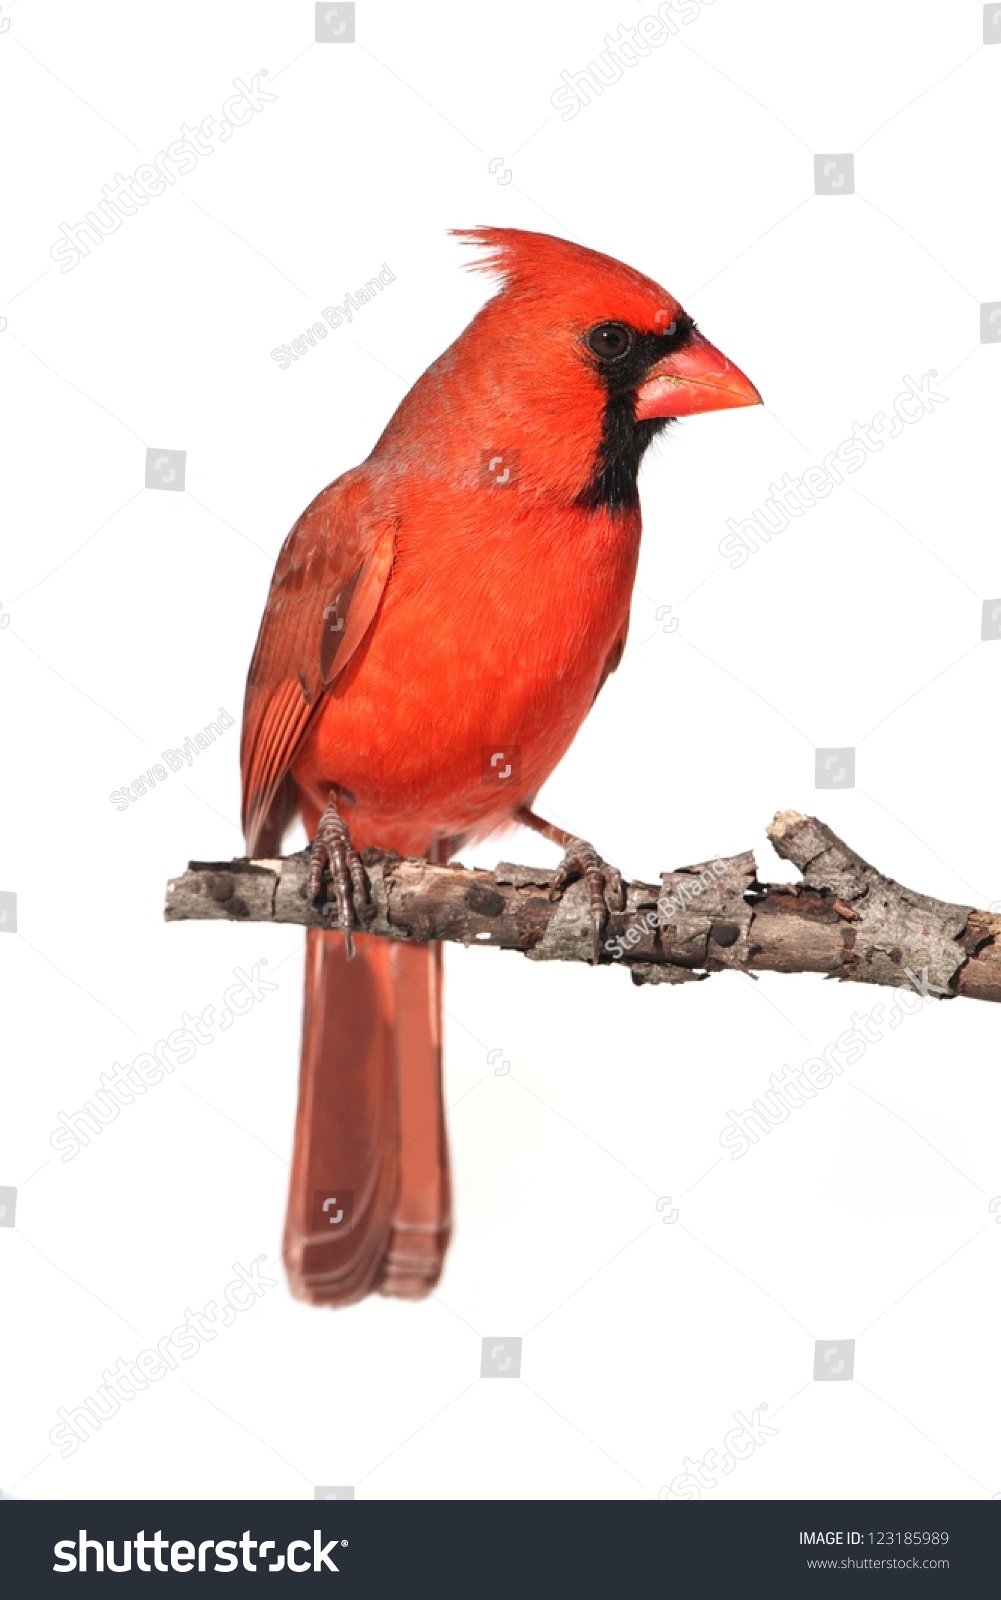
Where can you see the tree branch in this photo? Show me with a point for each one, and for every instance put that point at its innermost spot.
(843, 919)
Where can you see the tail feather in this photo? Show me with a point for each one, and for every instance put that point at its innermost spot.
(369, 1196)
(422, 1215)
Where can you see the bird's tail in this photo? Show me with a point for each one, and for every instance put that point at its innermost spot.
(369, 1203)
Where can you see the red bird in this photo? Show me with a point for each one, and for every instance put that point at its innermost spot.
(460, 596)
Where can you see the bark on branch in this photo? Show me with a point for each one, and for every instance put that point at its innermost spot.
(843, 919)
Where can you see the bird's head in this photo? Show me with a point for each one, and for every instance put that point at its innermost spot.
(582, 360)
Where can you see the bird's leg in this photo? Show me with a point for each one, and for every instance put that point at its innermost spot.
(332, 847)
(580, 860)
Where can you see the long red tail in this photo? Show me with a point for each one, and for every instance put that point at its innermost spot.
(369, 1203)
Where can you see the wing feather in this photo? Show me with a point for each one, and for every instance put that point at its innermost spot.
(327, 584)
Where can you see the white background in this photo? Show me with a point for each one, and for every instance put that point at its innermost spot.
(132, 616)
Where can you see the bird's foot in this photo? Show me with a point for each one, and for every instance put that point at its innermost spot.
(603, 883)
(332, 848)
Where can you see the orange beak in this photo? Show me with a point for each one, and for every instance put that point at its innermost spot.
(697, 378)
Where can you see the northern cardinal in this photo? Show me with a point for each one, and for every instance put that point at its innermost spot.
(440, 620)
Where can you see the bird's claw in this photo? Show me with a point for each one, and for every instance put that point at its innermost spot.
(332, 848)
(603, 884)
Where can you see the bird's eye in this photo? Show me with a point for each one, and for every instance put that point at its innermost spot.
(610, 340)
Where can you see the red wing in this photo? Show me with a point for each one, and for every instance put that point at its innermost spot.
(324, 594)
(614, 657)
